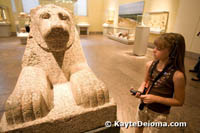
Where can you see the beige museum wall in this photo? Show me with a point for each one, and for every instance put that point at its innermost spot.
(94, 18)
(156, 6)
(98, 9)
(11, 15)
(95, 15)
(8, 4)
(162, 5)
(183, 15)
(111, 5)
(187, 20)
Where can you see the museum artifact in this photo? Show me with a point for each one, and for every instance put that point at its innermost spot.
(124, 32)
(5, 26)
(22, 23)
(157, 21)
(56, 90)
(120, 34)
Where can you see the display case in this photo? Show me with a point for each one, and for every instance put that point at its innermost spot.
(157, 21)
(4, 15)
(22, 26)
(121, 34)
(5, 26)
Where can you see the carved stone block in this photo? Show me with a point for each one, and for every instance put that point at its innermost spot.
(56, 90)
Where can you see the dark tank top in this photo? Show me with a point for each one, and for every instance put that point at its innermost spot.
(163, 87)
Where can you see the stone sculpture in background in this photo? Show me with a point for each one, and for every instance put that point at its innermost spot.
(53, 63)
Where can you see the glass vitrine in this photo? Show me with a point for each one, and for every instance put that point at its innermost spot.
(121, 34)
(5, 26)
(157, 21)
(4, 15)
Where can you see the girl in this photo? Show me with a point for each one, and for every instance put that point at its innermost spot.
(169, 89)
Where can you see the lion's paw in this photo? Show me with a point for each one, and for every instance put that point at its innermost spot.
(25, 106)
(29, 99)
(87, 90)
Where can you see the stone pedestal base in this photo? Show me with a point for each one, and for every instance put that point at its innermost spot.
(5, 30)
(23, 40)
(23, 37)
(66, 116)
(105, 130)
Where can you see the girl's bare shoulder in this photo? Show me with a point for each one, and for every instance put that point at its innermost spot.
(148, 64)
(178, 76)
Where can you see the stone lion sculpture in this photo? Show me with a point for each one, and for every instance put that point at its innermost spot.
(53, 56)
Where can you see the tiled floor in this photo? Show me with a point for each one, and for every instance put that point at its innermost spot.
(114, 64)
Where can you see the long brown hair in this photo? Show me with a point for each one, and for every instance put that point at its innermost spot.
(176, 44)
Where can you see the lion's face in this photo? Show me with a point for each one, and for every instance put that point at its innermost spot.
(55, 26)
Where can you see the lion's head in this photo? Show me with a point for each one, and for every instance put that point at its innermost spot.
(52, 27)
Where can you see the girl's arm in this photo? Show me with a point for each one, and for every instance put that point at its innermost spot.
(179, 93)
(145, 82)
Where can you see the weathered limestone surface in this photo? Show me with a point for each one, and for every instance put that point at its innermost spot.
(66, 116)
(56, 90)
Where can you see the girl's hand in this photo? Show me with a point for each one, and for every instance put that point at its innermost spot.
(148, 98)
(138, 94)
